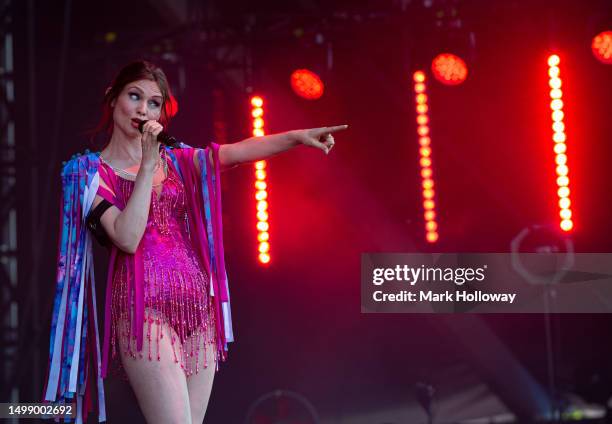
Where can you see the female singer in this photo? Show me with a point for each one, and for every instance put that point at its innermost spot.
(159, 211)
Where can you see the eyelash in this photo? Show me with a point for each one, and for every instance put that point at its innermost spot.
(152, 101)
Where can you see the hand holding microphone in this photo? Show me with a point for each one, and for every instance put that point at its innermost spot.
(150, 145)
(162, 136)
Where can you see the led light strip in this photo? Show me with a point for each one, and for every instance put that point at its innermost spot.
(560, 148)
(261, 193)
(427, 182)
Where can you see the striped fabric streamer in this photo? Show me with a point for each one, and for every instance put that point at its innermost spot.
(211, 198)
(67, 379)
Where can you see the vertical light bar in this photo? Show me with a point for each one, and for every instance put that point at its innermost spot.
(559, 138)
(261, 193)
(427, 181)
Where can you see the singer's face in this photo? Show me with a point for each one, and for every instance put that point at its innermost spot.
(140, 99)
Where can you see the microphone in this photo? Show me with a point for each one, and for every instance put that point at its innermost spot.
(163, 137)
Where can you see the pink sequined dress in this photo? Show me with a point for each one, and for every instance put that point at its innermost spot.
(176, 285)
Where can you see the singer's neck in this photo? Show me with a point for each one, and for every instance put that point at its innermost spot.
(122, 151)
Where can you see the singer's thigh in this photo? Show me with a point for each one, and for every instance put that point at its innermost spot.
(160, 386)
(200, 384)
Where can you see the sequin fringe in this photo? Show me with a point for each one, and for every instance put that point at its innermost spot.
(180, 307)
(177, 302)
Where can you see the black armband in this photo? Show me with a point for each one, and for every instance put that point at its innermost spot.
(93, 222)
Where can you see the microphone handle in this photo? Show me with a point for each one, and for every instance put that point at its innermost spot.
(163, 137)
(167, 139)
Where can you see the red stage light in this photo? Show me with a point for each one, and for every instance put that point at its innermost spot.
(421, 98)
(423, 130)
(556, 104)
(560, 148)
(264, 258)
(425, 151)
(307, 84)
(565, 214)
(553, 72)
(449, 69)
(425, 160)
(553, 60)
(564, 202)
(431, 226)
(428, 204)
(422, 119)
(561, 159)
(558, 128)
(428, 183)
(258, 123)
(555, 83)
(559, 138)
(424, 141)
(562, 170)
(563, 192)
(557, 115)
(261, 194)
(602, 47)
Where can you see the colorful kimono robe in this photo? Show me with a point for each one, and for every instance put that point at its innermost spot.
(76, 365)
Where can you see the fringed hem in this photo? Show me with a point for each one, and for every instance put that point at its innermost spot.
(191, 354)
(177, 306)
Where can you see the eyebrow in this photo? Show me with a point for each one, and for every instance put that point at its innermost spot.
(140, 89)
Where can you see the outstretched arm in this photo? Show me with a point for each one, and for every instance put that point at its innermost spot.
(259, 148)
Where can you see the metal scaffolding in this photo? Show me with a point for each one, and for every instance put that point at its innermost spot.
(8, 209)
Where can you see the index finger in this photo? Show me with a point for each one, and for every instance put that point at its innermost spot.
(335, 128)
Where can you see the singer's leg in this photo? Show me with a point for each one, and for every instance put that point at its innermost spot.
(199, 385)
(160, 386)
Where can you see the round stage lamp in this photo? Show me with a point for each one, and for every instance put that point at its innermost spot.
(307, 84)
(602, 47)
(449, 69)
